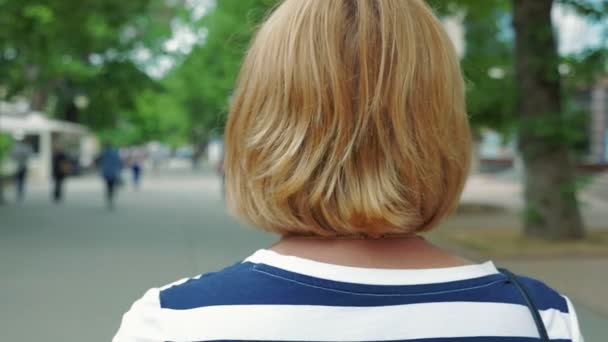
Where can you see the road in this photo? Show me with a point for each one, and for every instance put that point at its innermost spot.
(69, 271)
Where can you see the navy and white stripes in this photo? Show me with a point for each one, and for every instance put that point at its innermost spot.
(271, 297)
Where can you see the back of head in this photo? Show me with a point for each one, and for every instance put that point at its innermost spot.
(348, 119)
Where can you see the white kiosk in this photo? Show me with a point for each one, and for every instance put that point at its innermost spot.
(41, 133)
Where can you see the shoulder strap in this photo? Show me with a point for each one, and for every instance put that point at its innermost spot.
(540, 325)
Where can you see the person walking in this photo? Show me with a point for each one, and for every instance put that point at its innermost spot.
(111, 168)
(136, 161)
(61, 169)
(21, 155)
(348, 137)
(222, 174)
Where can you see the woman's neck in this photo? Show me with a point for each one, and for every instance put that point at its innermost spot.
(410, 252)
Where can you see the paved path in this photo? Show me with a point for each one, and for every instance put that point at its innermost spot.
(69, 271)
(506, 192)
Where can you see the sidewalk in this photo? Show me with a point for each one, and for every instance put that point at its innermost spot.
(69, 271)
(60, 261)
(583, 279)
(507, 193)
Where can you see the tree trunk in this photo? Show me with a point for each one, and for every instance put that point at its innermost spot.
(39, 99)
(71, 113)
(552, 209)
(40, 94)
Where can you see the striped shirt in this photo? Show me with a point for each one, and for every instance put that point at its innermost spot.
(272, 297)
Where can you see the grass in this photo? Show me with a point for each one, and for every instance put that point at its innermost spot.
(509, 243)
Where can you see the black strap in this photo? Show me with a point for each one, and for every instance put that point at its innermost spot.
(540, 325)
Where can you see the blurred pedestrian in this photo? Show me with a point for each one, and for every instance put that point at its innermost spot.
(136, 161)
(62, 167)
(197, 154)
(111, 168)
(21, 155)
(222, 173)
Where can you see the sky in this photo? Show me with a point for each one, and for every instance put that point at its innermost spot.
(183, 39)
(574, 35)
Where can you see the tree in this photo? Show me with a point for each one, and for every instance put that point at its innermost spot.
(550, 190)
(547, 132)
(203, 82)
(487, 66)
(53, 52)
(489, 97)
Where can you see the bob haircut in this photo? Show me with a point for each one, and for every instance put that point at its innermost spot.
(349, 119)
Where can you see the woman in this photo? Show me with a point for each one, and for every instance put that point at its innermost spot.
(348, 137)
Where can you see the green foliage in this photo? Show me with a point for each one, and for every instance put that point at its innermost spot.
(5, 147)
(202, 84)
(47, 39)
(113, 93)
(54, 51)
(531, 214)
(159, 115)
(570, 128)
(488, 61)
(488, 68)
(229, 28)
(489, 49)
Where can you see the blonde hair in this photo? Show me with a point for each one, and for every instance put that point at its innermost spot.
(348, 119)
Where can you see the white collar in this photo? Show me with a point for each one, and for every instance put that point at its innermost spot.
(371, 276)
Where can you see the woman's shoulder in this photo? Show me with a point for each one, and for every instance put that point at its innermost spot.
(556, 309)
(176, 310)
(544, 296)
(150, 317)
(215, 288)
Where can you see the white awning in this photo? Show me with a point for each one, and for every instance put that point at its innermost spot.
(35, 122)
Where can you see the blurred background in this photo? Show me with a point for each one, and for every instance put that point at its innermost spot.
(137, 92)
